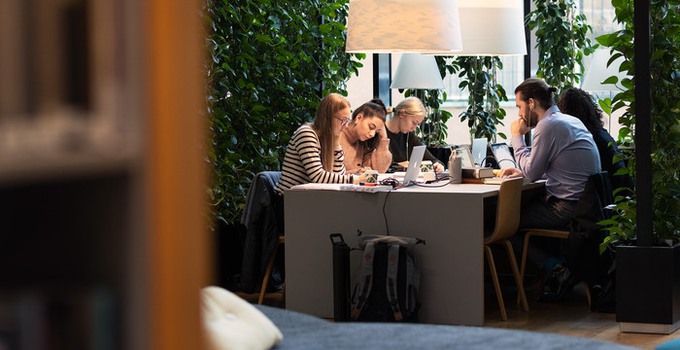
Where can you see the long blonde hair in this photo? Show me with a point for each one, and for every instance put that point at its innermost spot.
(410, 106)
(323, 126)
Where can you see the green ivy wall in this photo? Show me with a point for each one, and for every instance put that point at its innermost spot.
(271, 63)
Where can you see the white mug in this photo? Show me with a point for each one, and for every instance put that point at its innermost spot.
(371, 177)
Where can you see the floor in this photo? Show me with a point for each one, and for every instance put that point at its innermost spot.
(570, 317)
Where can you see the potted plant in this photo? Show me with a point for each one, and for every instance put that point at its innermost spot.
(561, 41)
(484, 112)
(648, 270)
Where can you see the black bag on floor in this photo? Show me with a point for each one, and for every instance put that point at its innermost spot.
(341, 300)
(386, 287)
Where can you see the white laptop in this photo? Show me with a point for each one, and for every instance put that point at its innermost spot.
(479, 147)
(504, 157)
(466, 157)
(414, 165)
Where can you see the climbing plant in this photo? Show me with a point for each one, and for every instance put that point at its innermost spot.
(270, 64)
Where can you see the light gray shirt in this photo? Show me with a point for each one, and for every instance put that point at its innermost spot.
(563, 153)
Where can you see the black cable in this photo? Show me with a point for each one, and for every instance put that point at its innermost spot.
(387, 227)
(431, 185)
(507, 160)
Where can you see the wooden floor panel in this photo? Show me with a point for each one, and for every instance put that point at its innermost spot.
(570, 317)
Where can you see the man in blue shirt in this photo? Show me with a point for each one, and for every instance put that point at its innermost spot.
(563, 152)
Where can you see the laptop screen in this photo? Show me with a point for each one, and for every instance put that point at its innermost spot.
(504, 157)
(479, 147)
(414, 164)
(466, 157)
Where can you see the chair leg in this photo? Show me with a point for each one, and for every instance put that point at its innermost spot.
(587, 293)
(525, 249)
(267, 273)
(518, 278)
(496, 284)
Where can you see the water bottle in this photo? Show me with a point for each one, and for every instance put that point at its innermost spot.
(455, 167)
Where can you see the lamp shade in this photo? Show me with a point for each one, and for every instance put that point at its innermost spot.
(416, 71)
(492, 27)
(385, 26)
(598, 71)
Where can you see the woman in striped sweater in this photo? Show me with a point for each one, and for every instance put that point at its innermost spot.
(314, 154)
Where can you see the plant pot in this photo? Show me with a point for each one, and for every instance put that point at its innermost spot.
(648, 289)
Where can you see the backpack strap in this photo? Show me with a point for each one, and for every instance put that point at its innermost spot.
(412, 280)
(365, 281)
(391, 280)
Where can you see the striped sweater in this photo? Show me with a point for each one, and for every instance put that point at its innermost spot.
(302, 163)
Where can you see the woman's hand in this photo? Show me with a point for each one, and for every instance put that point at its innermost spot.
(359, 178)
(363, 169)
(382, 133)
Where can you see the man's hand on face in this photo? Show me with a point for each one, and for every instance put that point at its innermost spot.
(519, 127)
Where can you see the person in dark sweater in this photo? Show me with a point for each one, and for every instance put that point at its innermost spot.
(406, 117)
(582, 105)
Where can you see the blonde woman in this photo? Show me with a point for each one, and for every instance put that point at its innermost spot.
(314, 154)
(401, 127)
(364, 141)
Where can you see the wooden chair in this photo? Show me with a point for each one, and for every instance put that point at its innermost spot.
(268, 270)
(265, 232)
(507, 223)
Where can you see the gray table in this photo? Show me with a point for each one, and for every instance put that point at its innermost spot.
(449, 218)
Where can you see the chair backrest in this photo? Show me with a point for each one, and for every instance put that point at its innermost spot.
(508, 210)
(264, 225)
(269, 179)
(590, 208)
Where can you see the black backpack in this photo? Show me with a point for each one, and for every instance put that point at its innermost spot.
(386, 287)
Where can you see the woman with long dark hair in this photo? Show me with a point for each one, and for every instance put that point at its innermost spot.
(365, 141)
(580, 104)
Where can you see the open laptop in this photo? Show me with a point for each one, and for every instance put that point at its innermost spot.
(504, 158)
(412, 170)
(414, 165)
(466, 156)
(479, 147)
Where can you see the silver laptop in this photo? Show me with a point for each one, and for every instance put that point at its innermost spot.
(479, 147)
(466, 157)
(504, 157)
(414, 165)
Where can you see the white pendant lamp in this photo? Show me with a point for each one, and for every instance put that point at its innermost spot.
(492, 27)
(416, 26)
(416, 71)
(598, 71)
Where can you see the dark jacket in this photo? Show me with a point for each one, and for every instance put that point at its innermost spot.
(608, 149)
(263, 219)
(586, 234)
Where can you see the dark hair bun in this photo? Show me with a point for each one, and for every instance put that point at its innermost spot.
(380, 103)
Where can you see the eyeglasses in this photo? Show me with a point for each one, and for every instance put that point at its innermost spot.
(344, 121)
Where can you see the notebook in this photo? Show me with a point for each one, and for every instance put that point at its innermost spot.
(504, 157)
(414, 165)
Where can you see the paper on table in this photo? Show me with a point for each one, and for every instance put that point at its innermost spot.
(342, 187)
(319, 186)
